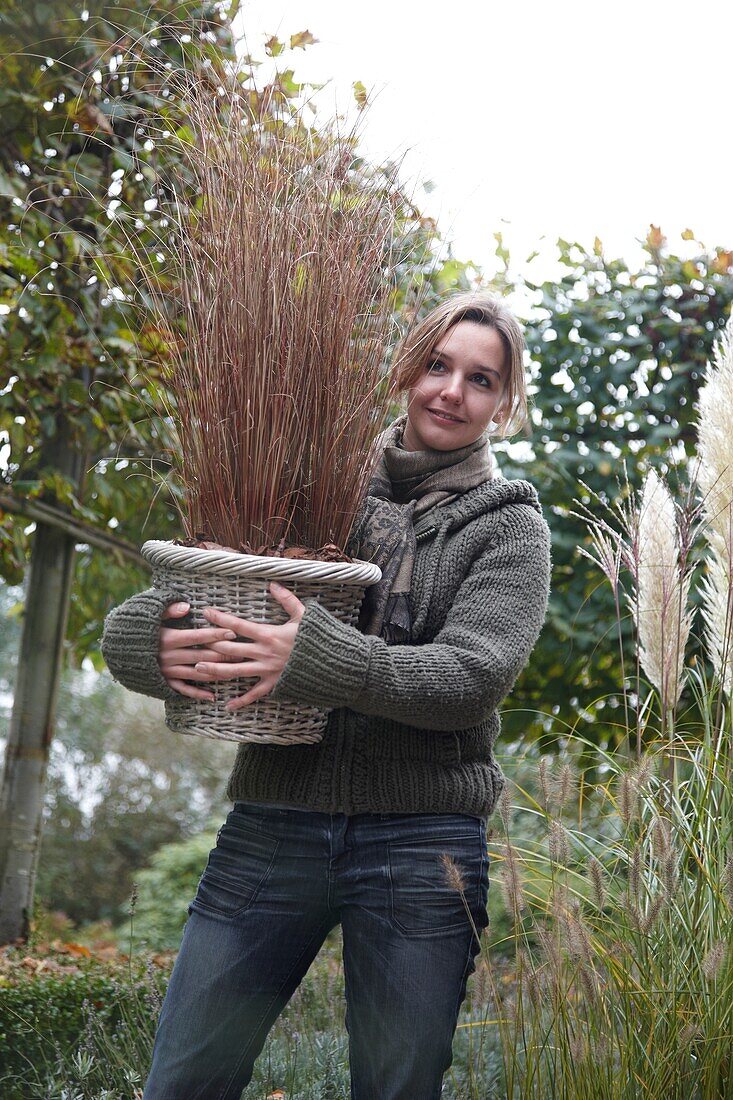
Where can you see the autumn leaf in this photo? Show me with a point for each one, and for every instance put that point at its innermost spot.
(162, 959)
(723, 262)
(360, 94)
(273, 46)
(89, 118)
(77, 949)
(302, 39)
(655, 238)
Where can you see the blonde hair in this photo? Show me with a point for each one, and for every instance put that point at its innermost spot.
(413, 353)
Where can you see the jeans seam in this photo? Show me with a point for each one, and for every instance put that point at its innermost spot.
(210, 910)
(464, 979)
(255, 1031)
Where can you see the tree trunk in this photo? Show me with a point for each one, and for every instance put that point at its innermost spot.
(32, 723)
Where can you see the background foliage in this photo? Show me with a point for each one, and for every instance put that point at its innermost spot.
(78, 83)
(617, 355)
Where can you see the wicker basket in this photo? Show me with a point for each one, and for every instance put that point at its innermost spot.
(239, 583)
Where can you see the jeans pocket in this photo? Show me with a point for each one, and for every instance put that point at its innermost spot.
(428, 895)
(237, 868)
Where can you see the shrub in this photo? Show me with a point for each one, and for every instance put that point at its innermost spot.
(54, 1012)
(165, 890)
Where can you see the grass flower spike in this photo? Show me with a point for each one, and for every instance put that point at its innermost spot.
(662, 616)
(715, 477)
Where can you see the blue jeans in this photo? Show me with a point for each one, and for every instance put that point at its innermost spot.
(275, 885)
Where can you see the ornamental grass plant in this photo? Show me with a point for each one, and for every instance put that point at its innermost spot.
(616, 864)
(274, 294)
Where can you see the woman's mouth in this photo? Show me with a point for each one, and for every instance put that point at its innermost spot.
(444, 419)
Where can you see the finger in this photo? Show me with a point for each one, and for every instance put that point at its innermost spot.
(192, 692)
(176, 610)
(243, 650)
(185, 672)
(227, 671)
(287, 599)
(258, 692)
(189, 656)
(202, 635)
(245, 628)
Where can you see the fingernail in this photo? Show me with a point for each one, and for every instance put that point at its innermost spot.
(181, 606)
(230, 635)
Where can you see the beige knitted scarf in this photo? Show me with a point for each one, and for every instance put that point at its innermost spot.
(405, 486)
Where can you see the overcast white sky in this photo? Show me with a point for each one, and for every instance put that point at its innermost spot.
(570, 119)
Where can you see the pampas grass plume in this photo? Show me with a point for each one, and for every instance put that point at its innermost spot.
(662, 616)
(715, 478)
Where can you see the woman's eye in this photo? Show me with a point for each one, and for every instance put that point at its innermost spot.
(436, 363)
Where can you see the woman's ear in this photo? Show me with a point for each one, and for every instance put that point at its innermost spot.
(498, 417)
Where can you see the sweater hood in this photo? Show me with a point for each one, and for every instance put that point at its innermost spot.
(479, 501)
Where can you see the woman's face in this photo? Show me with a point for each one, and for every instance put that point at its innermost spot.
(465, 379)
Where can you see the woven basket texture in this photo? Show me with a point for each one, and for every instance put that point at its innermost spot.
(239, 583)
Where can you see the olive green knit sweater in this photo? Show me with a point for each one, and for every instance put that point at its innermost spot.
(412, 727)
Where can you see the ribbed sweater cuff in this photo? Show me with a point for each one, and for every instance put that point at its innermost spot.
(130, 642)
(328, 664)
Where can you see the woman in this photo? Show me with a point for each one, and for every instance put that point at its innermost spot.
(352, 830)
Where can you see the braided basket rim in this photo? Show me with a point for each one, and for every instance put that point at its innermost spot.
(164, 553)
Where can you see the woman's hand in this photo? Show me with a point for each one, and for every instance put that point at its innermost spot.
(179, 651)
(264, 656)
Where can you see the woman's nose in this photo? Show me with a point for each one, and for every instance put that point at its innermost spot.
(452, 392)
